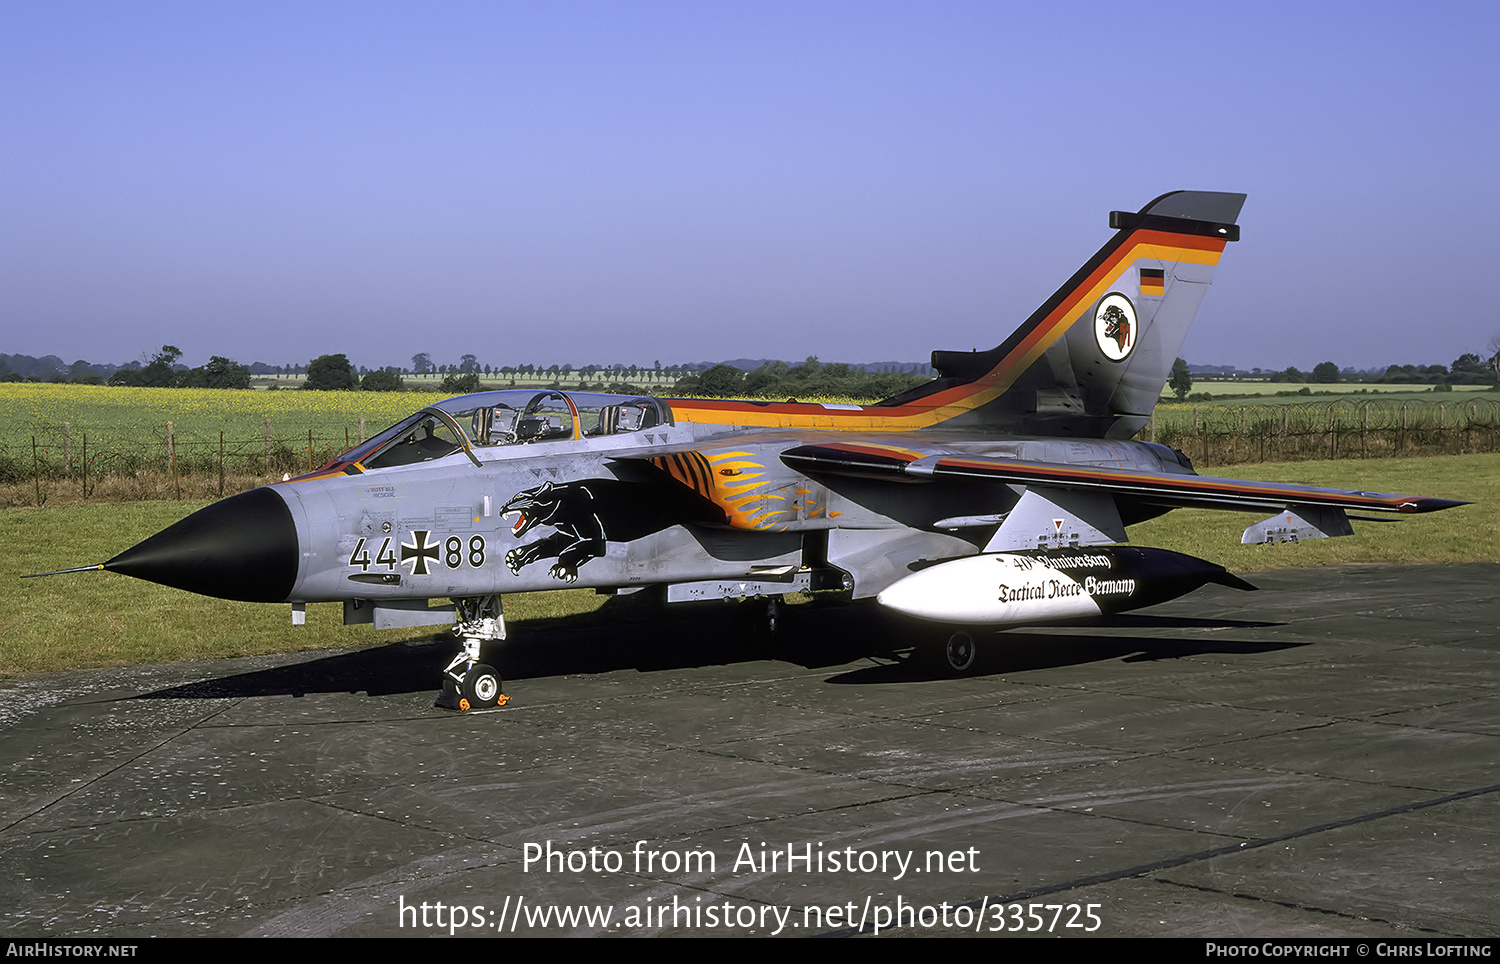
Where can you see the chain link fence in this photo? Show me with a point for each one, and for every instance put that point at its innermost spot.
(1230, 434)
(50, 462)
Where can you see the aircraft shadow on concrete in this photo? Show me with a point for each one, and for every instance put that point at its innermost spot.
(814, 637)
(1018, 651)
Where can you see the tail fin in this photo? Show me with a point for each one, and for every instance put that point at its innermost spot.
(1092, 360)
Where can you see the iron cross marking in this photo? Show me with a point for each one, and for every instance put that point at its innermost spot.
(419, 552)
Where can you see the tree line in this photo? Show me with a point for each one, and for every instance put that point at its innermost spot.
(162, 371)
(779, 379)
(771, 379)
(1467, 369)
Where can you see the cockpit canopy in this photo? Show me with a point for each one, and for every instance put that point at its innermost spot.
(474, 423)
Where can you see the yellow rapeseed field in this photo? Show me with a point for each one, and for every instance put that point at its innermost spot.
(95, 435)
(117, 416)
(27, 407)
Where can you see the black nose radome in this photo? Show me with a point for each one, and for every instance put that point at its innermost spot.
(244, 547)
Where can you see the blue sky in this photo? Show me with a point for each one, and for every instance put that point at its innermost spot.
(585, 182)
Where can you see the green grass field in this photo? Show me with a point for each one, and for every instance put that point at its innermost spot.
(95, 619)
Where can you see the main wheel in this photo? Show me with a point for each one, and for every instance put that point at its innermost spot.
(759, 619)
(961, 652)
(481, 689)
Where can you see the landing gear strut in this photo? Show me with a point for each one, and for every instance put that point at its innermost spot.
(760, 619)
(469, 684)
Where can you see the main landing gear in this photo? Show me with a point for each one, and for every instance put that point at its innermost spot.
(469, 684)
(760, 618)
(960, 652)
(950, 652)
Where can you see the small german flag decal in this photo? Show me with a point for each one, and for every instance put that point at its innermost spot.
(1153, 281)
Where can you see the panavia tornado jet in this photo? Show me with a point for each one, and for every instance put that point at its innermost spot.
(998, 493)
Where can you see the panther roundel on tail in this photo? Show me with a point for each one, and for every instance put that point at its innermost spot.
(1115, 326)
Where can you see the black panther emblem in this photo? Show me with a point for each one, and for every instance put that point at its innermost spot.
(587, 513)
(570, 509)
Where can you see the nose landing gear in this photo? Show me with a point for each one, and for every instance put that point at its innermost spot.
(469, 684)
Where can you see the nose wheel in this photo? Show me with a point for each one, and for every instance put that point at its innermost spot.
(481, 689)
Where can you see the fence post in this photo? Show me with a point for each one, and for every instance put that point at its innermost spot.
(268, 443)
(84, 489)
(67, 448)
(309, 450)
(36, 471)
(221, 464)
(172, 457)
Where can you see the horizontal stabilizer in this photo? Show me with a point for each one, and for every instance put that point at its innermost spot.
(1299, 522)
